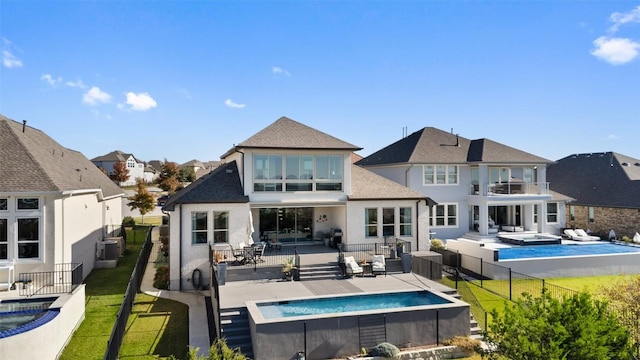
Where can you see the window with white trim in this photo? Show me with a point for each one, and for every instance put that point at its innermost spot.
(535, 214)
(572, 212)
(220, 227)
(592, 214)
(388, 222)
(28, 238)
(4, 203)
(552, 212)
(371, 222)
(444, 215)
(4, 239)
(440, 174)
(301, 173)
(131, 163)
(498, 175)
(406, 221)
(199, 230)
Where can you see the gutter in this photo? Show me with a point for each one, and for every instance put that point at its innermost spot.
(180, 256)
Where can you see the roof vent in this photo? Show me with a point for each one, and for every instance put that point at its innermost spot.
(625, 164)
(229, 171)
(637, 164)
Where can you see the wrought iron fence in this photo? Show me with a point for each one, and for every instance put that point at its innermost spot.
(117, 333)
(62, 280)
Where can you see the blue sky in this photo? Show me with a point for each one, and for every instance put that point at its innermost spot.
(188, 80)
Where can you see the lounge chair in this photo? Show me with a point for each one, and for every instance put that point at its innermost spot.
(378, 265)
(583, 234)
(352, 266)
(573, 235)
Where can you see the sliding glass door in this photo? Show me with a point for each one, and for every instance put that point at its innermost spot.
(286, 225)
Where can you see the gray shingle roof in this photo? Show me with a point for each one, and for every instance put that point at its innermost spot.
(31, 161)
(114, 156)
(366, 185)
(222, 185)
(433, 146)
(285, 133)
(599, 179)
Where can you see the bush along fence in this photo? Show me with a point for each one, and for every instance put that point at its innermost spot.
(117, 333)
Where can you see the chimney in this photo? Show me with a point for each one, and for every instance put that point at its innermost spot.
(24, 125)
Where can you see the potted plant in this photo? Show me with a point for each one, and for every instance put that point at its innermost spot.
(288, 268)
(399, 248)
(220, 262)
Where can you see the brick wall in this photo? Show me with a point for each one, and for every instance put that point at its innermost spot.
(624, 221)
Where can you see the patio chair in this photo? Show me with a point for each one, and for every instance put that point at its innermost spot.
(352, 266)
(258, 251)
(583, 234)
(573, 235)
(239, 253)
(378, 265)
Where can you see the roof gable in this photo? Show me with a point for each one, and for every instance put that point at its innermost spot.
(366, 185)
(285, 133)
(222, 185)
(433, 146)
(31, 161)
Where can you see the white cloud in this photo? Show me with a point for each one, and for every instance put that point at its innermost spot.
(95, 96)
(615, 51)
(9, 60)
(278, 70)
(50, 79)
(76, 84)
(612, 137)
(140, 102)
(620, 19)
(234, 105)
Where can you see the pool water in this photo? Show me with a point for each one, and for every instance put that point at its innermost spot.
(17, 316)
(348, 304)
(540, 251)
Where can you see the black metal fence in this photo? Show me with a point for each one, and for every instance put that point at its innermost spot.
(62, 280)
(214, 290)
(426, 268)
(391, 248)
(252, 256)
(117, 333)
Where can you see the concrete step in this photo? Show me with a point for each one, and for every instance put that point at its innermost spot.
(235, 329)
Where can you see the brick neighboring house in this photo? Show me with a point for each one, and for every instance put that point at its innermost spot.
(606, 189)
(137, 169)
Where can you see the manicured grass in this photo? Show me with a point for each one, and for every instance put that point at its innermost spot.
(104, 291)
(155, 220)
(590, 284)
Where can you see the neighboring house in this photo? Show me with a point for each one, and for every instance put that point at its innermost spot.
(291, 183)
(55, 205)
(480, 186)
(156, 165)
(136, 167)
(606, 189)
(208, 167)
(150, 174)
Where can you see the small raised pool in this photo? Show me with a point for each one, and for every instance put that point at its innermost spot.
(549, 251)
(18, 316)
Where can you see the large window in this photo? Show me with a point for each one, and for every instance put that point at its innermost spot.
(498, 175)
(220, 227)
(552, 212)
(371, 222)
(440, 174)
(405, 221)
(301, 173)
(388, 222)
(4, 237)
(28, 238)
(444, 215)
(131, 163)
(199, 230)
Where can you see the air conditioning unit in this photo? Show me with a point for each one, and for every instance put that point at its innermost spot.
(120, 242)
(107, 250)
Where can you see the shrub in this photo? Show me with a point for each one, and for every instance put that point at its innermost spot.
(161, 279)
(385, 350)
(437, 244)
(128, 221)
(626, 239)
(465, 343)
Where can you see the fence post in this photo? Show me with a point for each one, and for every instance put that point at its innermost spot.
(510, 286)
(481, 273)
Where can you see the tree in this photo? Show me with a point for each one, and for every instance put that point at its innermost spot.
(168, 179)
(576, 328)
(623, 298)
(143, 200)
(186, 174)
(120, 172)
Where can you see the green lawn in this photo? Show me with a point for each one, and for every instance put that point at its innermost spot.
(156, 329)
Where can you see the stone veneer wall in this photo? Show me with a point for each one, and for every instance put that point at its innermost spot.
(624, 221)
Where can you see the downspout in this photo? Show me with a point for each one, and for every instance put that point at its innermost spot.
(417, 226)
(180, 257)
(406, 176)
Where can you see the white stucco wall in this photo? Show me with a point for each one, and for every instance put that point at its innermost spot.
(185, 257)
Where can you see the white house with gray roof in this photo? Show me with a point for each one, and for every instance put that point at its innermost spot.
(137, 169)
(293, 183)
(480, 186)
(55, 205)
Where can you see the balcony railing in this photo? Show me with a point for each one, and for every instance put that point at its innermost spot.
(62, 280)
(511, 188)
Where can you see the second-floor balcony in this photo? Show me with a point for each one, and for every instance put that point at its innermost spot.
(510, 188)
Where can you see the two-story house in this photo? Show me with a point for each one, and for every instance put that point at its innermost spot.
(55, 205)
(291, 183)
(137, 169)
(480, 186)
(606, 189)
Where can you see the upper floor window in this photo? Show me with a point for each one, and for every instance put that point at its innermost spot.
(220, 227)
(440, 174)
(499, 175)
(131, 163)
(444, 215)
(4, 203)
(301, 173)
(527, 174)
(199, 231)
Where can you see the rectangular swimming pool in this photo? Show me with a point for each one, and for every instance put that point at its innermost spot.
(541, 251)
(343, 304)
